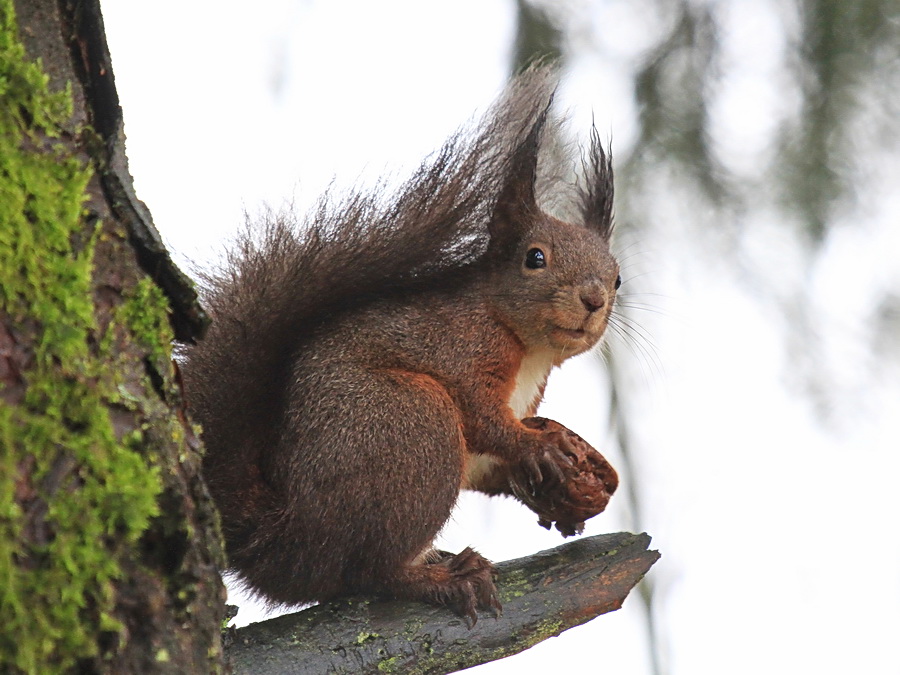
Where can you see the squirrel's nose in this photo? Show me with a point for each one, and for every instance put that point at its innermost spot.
(593, 298)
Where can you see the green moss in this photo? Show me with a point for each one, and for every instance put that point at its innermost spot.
(146, 312)
(365, 637)
(73, 497)
(547, 628)
(389, 665)
(413, 627)
(515, 584)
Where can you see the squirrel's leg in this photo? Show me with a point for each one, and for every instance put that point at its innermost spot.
(376, 475)
(547, 467)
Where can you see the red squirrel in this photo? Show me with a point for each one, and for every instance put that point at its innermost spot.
(365, 365)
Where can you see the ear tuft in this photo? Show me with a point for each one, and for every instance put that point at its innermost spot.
(596, 192)
(517, 202)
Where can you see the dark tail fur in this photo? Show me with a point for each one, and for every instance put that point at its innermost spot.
(283, 279)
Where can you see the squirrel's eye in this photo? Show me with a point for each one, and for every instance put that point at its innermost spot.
(618, 281)
(535, 259)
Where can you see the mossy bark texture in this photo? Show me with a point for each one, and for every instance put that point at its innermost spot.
(109, 546)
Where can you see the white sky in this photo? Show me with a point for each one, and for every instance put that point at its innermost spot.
(778, 534)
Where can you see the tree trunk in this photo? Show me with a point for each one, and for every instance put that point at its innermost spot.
(109, 545)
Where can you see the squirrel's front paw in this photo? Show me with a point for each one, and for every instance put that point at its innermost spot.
(566, 482)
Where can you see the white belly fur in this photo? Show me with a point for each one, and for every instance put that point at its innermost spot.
(530, 380)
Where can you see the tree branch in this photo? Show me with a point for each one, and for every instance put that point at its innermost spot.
(543, 595)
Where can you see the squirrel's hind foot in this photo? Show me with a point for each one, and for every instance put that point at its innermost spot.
(463, 582)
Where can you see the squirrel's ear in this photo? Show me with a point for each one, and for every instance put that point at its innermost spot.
(516, 203)
(597, 191)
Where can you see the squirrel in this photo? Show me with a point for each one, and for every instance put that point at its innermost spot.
(364, 366)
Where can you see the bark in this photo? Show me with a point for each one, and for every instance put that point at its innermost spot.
(542, 596)
(109, 544)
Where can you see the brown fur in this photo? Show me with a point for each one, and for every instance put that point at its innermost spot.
(358, 361)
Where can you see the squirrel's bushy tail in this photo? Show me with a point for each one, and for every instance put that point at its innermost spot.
(284, 277)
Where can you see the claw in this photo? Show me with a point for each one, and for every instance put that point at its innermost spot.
(533, 471)
(557, 472)
(568, 451)
(570, 529)
(489, 599)
(470, 616)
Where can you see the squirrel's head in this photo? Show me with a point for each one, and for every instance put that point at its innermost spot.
(555, 282)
